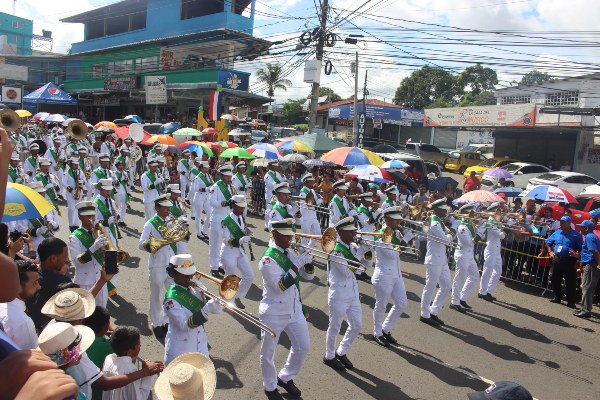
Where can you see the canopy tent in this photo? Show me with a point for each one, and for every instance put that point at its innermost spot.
(319, 142)
(49, 94)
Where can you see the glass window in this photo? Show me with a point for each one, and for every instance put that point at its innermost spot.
(488, 163)
(549, 177)
(515, 99)
(146, 64)
(430, 148)
(98, 70)
(562, 98)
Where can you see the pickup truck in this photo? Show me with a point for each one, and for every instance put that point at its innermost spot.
(427, 152)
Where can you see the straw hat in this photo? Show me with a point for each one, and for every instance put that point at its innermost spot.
(70, 305)
(191, 376)
(58, 337)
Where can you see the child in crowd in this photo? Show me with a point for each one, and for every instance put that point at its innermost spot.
(99, 322)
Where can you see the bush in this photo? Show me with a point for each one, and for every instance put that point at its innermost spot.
(301, 127)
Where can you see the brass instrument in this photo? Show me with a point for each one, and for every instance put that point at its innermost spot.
(414, 211)
(122, 256)
(352, 265)
(310, 202)
(387, 235)
(9, 120)
(78, 187)
(77, 129)
(177, 232)
(228, 286)
(183, 204)
(327, 240)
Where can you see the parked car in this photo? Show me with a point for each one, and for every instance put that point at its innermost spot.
(461, 160)
(152, 128)
(426, 152)
(258, 136)
(581, 211)
(279, 132)
(574, 182)
(490, 163)
(522, 173)
(592, 189)
(487, 149)
(418, 169)
(259, 124)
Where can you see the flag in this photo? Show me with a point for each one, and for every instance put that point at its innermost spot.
(214, 111)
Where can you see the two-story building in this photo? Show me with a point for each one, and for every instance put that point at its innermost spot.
(195, 44)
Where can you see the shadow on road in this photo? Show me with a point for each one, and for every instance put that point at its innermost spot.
(125, 313)
(227, 377)
(373, 386)
(414, 277)
(535, 315)
(132, 262)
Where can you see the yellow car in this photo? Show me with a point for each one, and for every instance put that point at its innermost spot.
(459, 161)
(496, 162)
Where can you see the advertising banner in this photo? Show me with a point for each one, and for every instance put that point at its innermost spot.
(11, 94)
(156, 90)
(503, 115)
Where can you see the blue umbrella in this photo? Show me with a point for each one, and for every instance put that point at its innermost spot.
(509, 191)
(169, 127)
(22, 202)
(134, 118)
(441, 182)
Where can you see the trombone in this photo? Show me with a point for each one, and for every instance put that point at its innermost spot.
(387, 235)
(354, 266)
(228, 287)
(309, 203)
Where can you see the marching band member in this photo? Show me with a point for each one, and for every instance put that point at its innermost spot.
(102, 172)
(152, 186)
(240, 180)
(183, 168)
(41, 228)
(73, 181)
(201, 186)
(338, 206)
(72, 149)
(51, 186)
(14, 169)
(282, 310)
(366, 221)
(391, 197)
(123, 156)
(436, 260)
(30, 165)
(194, 172)
(187, 309)
(57, 161)
(85, 249)
(281, 209)
(387, 280)
(21, 140)
(272, 178)
(106, 209)
(343, 298)
(121, 190)
(492, 264)
(220, 200)
(131, 165)
(309, 222)
(158, 261)
(467, 273)
(84, 165)
(163, 170)
(177, 211)
(155, 152)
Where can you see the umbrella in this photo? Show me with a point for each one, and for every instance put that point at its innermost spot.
(68, 120)
(236, 152)
(549, 193)
(370, 173)
(440, 183)
(394, 164)
(187, 132)
(238, 132)
(40, 116)
(55, 118)
(294, 157)
(23, 113)
(352, 156)
(400, 177)
(384, 148)
(123, 132)
(498, 173)
(22, 202)
(169, 127)
(229, 117)
(509, 191)
(227, 145)
(481, 196)
(105, 124)
(162, 139)
(290, 146)
(134, 118)
(260, 162)
(317, 162)
(264, 150)
(209, 131)
(214, 146)
(198, 149)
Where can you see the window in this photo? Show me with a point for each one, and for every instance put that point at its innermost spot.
(581, 179)
(146, 64)
(550, 177)
(17, 24)
(123, 67)
(533, 169)
(430, 148)
(515, 99)
(98, 70)
(200, 8)
(563, 98)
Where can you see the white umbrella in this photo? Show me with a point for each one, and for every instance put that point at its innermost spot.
(55, 118)
(394, 164)
(264, 150)
(260, 162)
(294, 157)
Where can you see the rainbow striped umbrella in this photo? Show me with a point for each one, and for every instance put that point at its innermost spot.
(199, 147)
(227, 145)
(352, 156)
(293, 146)
(264, 150)
(22, 202)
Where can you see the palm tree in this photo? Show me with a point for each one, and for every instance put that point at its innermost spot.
(271, 75)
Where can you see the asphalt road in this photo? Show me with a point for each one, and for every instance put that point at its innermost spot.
(521, 337)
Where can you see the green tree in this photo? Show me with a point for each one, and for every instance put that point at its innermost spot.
(476, 79)
(271, 75)
(482, 99)
(333, 96)
(425, 86)
(293, 112)
(535, 77)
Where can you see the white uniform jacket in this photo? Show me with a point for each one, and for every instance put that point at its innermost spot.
(342, 280)
(437, 239)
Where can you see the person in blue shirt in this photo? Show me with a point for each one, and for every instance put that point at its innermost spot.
(564, 245)
(590, 258)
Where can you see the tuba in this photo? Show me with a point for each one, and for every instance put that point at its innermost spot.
(177, 232)
(77, 129)
(9, 120)
(121, 255)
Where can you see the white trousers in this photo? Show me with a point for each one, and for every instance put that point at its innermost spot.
(158, 287)
(297, 330)
(311, 227)
(338, 309)
(436, 274)
(235, 262)
(363, 249)
(101, 298)
(183, 185)
(386, 287)
(194, 341)
(201, 204)
(215, 241)
(71, 210)
(267, 211)
(465, 278)
(121, 199)
(149, 209)
(492, 270)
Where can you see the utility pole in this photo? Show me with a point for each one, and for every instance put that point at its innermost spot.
(314, 98)
(362, 118)
(355, 119)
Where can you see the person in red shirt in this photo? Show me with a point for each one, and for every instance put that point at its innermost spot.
(471, 183)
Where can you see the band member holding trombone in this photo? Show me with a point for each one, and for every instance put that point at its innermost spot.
(186, 309)
(467, 273)
(343, 298)
(338, 206)
(436, 261)
(492, 265)
(152, 186)
(308, 221)
(281, 308)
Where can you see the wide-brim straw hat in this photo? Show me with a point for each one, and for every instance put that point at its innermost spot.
(70, 305)
(60, 335)
(191, 376)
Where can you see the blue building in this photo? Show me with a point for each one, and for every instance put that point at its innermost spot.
(15, 34)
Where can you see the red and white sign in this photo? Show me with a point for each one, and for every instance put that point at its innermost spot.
(11, 94)
(485, 116)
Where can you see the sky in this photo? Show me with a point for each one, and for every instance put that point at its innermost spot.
(399, 36)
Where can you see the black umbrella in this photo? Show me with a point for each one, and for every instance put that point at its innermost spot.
(440, 183)
(384, 148)
(400, 177)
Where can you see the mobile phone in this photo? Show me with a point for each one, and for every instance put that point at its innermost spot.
(110, 262)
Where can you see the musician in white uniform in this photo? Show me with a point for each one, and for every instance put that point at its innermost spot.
(436, 261)
(492, 264)
(466, 274)
(41, 228)
(183, 168)
(343, 298)
(272, 178)
(86, 249)
(121, 189)
(281, 309)
(338, 206)
(57, 158)
(154, 153)
(72, 179)
(282, 209)
(102, 172)
(234, 260)
(187, 309)
(220, 200)
(30, 165)
(194, 172)
(201, 204)
(15, 172)
(366, 214)
(106, 209)
(391, 196)
(152, 186)
(163, 170)
(309, 222)
(387, 280)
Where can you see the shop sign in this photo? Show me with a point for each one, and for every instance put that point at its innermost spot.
(156, 90)
(11, 94)
(234, 80)
(120, 83)
(499, 115)
(106, 101)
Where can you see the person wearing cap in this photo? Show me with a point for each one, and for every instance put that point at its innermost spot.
(338, 206)
(163, 170)
(309, 221)
(49, 182)
(240, 180)
(502, 390)
(74, 182)
(391, 197)
(41, 228)
(132, 164)
(281, 309)
(233, 254)
(387, 279)
(15, 173)
(367, 215)
(72, 149)
(183, 168)
(125, 158)
(58, 160)
(220, 200)
(189, 376)
(590, 259)
(31, 165)
(343, 297)
(121, 190)
(194, 172)
(107, 211)
(158, 260)
(564, 246)
(492, 264)
(272, 178)
(21, 140)
(102, 172)
(281, 209)
(436, 261)
(594, 217)
(155, 151)
(187, 309)
(200, 204)
(152, 186)
(466, 274)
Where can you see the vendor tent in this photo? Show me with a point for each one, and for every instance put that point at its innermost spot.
(319, 142)
(49, 94)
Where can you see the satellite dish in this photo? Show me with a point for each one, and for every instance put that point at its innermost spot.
(136, 132)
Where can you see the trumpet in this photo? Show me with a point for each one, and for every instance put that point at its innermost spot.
(387, 235)
(309, 202)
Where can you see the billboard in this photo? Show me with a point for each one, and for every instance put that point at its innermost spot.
(522, 115)
(234, 80)
(11, 94)
(156, 90)
(393, 115)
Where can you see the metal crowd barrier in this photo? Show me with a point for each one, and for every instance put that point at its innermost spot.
(525, 261)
